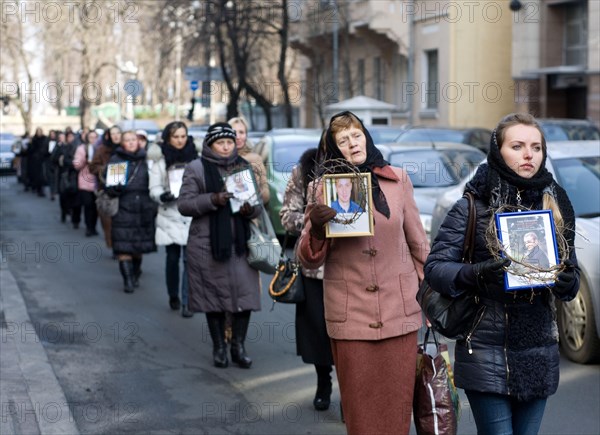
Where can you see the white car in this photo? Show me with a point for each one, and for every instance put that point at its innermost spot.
(576, 167)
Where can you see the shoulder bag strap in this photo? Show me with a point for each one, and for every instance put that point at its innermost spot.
(469, 244)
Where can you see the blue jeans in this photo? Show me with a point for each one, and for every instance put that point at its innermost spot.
(174, 252)
(497, 414)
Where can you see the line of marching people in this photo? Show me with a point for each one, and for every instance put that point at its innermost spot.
(174, 196)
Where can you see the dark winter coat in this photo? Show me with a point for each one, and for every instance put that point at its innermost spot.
(37, 154)
(228, 286)
(514, 339)
(133, 226)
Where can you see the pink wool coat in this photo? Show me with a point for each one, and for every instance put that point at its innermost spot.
(370, 283)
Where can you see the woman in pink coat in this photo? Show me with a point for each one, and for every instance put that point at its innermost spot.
(87, 182)
(370, 284)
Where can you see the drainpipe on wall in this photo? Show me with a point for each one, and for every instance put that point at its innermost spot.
(411, 61)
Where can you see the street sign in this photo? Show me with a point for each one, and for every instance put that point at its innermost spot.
(194, 85)
(202, 73)
(133, 88)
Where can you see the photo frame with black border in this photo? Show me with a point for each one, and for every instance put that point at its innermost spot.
(243, 186)
(355, 207)
(529, 237)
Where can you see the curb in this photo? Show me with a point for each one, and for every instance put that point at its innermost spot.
(29, 385)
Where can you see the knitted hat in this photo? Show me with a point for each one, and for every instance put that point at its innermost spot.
(218, 131)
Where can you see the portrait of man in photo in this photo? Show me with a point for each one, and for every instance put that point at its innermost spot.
(534, 254)
(344, 203)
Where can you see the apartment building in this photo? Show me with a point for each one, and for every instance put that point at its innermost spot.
(450, 63)
(556, 58)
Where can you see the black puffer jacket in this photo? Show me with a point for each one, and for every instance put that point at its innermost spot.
(513, 345)
(133, 227)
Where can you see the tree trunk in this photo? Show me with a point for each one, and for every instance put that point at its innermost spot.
(281, 71)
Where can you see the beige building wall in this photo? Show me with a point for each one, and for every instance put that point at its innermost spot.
(480, 66)
(473, 40)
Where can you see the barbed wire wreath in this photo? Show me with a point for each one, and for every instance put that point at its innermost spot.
(518, 267)
(339, 167)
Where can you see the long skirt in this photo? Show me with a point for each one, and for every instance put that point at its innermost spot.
(312, 341)
(377, 380)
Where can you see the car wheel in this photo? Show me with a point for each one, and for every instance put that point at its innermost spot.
(577, 327)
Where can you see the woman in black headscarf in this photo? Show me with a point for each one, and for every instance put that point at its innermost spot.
(509, 362)
(369, 285)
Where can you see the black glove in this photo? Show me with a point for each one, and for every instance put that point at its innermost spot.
(489, 274)
(246, 209)
(319, 216)
(220, 199)
(115, 191)
(167, 197)
(565, 280)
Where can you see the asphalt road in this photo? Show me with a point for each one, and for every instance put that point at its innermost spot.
(128, 364)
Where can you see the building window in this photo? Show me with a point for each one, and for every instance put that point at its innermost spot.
(576, 34)
(360, 77)
(431, 71)
(378, 79)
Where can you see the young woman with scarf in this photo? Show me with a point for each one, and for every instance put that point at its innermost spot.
(133, 227)
(369, 286)
(510, 363)
(172, 228)
(220, 278)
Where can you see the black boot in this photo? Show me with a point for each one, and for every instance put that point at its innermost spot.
(126, 268)
(216, 326)
(323, 396)
(137, 271)
(239, 328)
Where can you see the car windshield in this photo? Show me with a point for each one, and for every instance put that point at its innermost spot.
(384, 135)
(286, 153)
(558, 132)
(427, 135)
(437, 167)
(5, 147)
(580, 177)
(7, 137)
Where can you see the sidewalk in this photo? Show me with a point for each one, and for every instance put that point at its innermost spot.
(31, 399)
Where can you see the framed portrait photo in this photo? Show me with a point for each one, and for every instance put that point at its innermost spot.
(243, 187)
(116, 174)
(350, 196)
(175, 178)
(528, 237)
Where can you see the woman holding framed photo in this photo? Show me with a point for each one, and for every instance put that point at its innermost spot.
(220, 278)
(168, 160)
(369, 284)
(508, 364)
(133, 227)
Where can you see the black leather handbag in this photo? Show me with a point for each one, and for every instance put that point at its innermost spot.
(450, 316)
(287, 286)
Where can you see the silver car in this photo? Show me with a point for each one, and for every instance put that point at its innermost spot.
(432, 168)
(576, 167)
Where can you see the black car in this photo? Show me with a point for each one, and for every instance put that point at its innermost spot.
(477, 137)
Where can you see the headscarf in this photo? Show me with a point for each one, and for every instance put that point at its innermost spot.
(498, 184)
(221, 237)
(374, 160)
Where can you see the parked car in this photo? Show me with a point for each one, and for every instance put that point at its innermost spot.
(150, 126)
(198, 131)
(280, 150)
(432, 169)
(576, 167)
(7, 155)
(382, 134)
(569, 129)
(477, 137)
